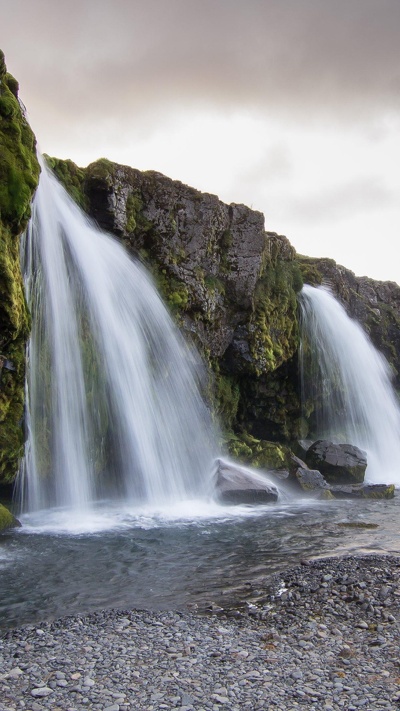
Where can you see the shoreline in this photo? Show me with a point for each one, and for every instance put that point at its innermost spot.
(325, 636)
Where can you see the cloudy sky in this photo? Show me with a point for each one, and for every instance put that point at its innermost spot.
(289, 106)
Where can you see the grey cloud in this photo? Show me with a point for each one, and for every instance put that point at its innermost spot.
(349, 199)
(302, 58)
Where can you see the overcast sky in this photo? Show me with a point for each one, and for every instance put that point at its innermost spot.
(289, 106)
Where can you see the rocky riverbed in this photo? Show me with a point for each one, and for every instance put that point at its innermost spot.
(323, 635)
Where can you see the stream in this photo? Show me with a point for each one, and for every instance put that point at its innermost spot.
(194, 556)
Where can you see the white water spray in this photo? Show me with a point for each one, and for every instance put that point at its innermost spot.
(350, 381)
(113, 392)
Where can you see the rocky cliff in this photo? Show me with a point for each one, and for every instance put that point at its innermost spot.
(19, 172)
(232, 287)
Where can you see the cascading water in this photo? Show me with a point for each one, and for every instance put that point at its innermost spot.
(349, 383)
(113, 392)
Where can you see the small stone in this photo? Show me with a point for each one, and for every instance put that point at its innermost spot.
(42, 691)
(220, 699)
(88, 681)
(15, 673)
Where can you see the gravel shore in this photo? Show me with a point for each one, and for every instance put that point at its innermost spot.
(323, 635)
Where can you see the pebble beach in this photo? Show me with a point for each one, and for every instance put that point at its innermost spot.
(322, 635)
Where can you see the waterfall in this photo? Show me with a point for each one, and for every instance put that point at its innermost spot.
(113, 392)
(349, 383)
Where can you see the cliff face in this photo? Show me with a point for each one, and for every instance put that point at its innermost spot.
(230, 284)
(232, 287)
(19, 172)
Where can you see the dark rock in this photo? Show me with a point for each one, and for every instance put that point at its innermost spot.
(310, 479)
(238, 485)
(339, 463)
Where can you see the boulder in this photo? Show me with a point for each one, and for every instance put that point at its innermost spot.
(339, 463)
(7, 520)
(238, 485)
(309, 480)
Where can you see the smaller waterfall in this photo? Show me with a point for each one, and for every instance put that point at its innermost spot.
(349, 383)
(113, 392)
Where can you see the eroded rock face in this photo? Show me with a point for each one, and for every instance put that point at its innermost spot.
(230, 285)
(210, 260)
(339, 463)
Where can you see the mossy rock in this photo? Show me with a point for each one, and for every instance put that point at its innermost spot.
(19, 174)
(7, 520)
(363, 491)
(308, 267)
(71, 177)
(273, 328)
(260, 454)
(358, 524)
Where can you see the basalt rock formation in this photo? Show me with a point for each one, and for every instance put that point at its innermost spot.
(232, 288)
(19, 172)
(230, 284)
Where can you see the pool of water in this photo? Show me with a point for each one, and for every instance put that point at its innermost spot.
(191, 556)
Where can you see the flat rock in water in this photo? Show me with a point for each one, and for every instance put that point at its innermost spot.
(362, 491)
(238, 485)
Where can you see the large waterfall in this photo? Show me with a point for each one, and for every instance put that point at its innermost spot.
(114, 394)
(349, 383)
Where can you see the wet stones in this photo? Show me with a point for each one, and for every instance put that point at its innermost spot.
(325, 637)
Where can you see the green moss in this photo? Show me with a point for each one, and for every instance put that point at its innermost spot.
(101, 169)
(258, 453)
(309, 270)
(357, 524)
(71, 177)
(19, 173)
(273, 326)
(214, 284)
(380, 492)
(174, 291)
(7, 520)
(226, 397)
(133, 206)
(19, 169)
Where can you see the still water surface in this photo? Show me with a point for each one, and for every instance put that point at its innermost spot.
(192, 556)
